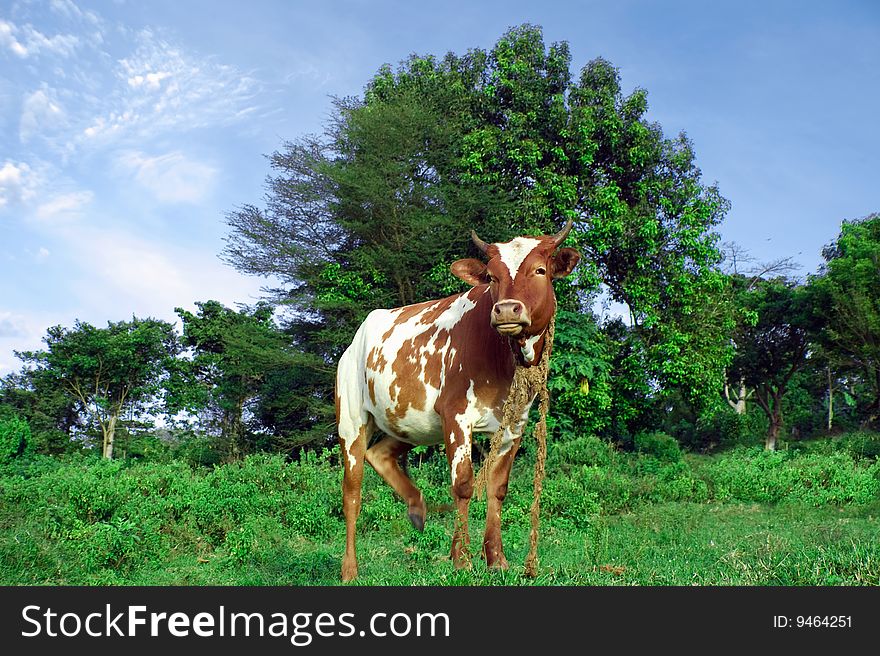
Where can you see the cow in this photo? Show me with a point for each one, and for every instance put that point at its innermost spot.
(437, 372)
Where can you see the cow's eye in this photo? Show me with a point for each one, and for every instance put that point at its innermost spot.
(490, 277)
(541, 271)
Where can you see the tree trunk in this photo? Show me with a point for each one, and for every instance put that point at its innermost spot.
(830, 400)
(109, 434)
(773, 433)
(739, 405)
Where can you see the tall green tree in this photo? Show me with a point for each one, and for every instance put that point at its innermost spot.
(505, 141)
(771, 342)
(111, 372)
(848, 294)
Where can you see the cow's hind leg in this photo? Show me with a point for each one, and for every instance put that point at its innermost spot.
(353, 440)
(383, 456)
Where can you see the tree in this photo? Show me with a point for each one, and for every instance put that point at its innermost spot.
(372, 213)
(848, 294)
(233, 354)
(106, 371)
(771, 342)
(51, 413)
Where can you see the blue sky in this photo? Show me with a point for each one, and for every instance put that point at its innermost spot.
(128, 129)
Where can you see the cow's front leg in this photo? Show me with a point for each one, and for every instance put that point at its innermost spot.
(496, 490)
(458, 453)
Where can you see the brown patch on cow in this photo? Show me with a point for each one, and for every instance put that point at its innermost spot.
(407, 370)
(376, 359)
(407, 312)
(432, 314)
(338, 404)
(371, 387)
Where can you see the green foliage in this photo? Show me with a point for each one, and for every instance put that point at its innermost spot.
(236, 379)
(770, 477)
(15, 437)
(265, 521)
(579, 379)
(584, 450)
(772, 341)
(661, 446)
(848, 298)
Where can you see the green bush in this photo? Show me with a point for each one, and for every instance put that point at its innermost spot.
(15, 438)
(774, 476)
(660, 445)
(860, 445)
(574, 453)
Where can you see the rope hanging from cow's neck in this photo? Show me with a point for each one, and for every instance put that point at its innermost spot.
(528, 383)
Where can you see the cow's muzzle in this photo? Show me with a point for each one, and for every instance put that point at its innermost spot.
(510, 317)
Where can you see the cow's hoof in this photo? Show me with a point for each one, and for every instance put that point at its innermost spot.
(349, 571)
(498, 563)
(417, 519)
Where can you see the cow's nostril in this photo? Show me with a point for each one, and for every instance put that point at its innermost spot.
(497, 310)
(517, 309)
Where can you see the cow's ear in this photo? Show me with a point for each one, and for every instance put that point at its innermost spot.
(472, 271)
(564, 261)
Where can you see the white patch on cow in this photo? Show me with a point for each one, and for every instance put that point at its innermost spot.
(513, 253)
(417, 426)
(461, 452)
(528, 349)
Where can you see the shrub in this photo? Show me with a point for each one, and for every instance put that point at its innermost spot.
(15, 438)
(774, 476)
(860, 445)
(580, 451)
(660, 445)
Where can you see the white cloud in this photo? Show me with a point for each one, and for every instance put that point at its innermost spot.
(171, 178)
(23, 331)
(7, 38)
(150, 80)
(64, 207)
(41, 111)
(120, 274)
(34, 42)
(11, 325)
(42, 254)
(18, 183)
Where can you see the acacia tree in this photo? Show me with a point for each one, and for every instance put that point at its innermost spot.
(504, 141)
(108, 371)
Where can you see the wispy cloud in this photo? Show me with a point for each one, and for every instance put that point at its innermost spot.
(171, 178)
(156, 276)
(18, 183)
(41, 112)
(160, 88)
(25, 41)
(11, 325)
(64, 207)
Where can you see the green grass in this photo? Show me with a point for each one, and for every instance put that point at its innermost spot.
(610, 518)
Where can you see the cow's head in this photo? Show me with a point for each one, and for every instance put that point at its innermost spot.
(520, 274)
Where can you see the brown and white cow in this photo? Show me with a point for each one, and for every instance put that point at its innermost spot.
(437, 371)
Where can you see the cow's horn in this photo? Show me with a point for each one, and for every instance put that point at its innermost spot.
(560, 236)
(479, 243)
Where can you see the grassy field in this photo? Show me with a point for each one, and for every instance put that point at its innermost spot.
(806, 516)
